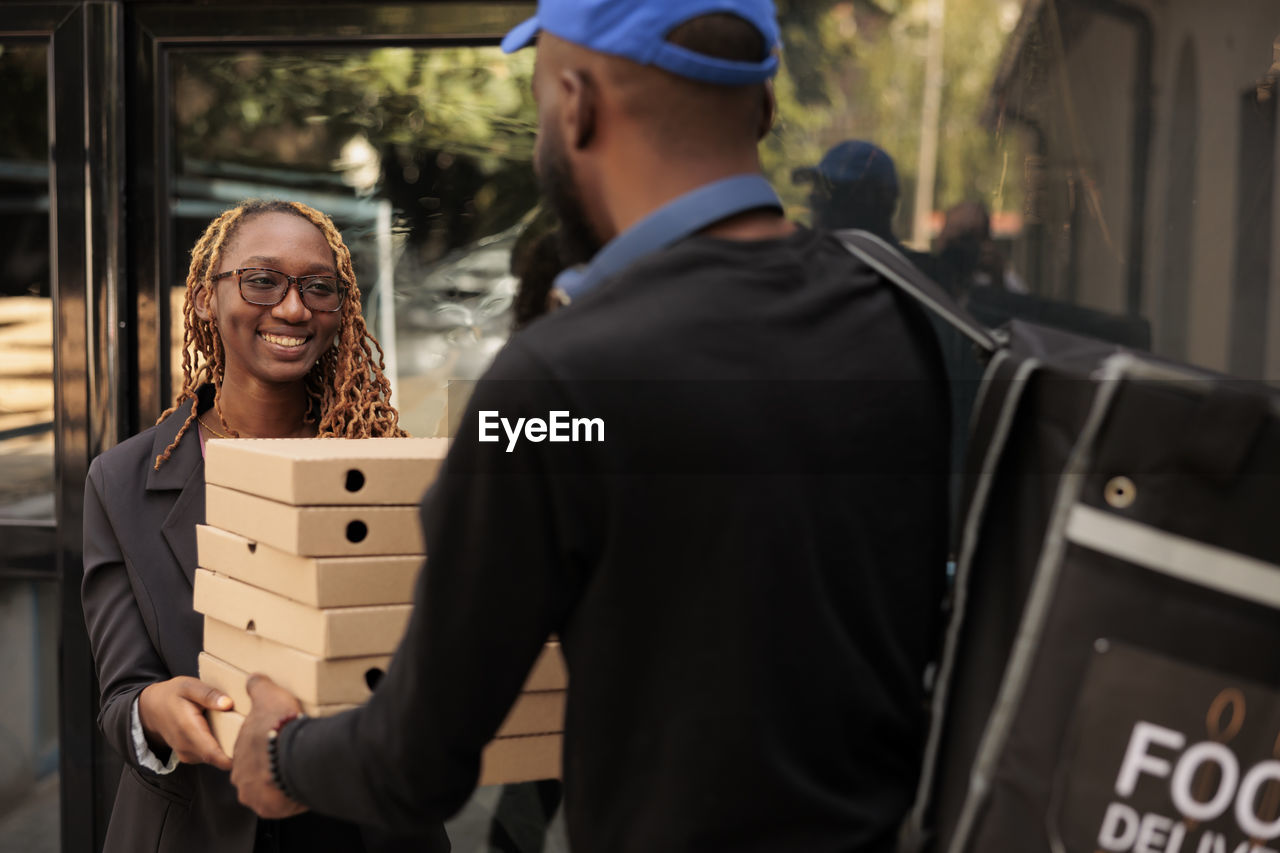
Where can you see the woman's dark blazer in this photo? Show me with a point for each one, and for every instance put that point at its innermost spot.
(139, 565)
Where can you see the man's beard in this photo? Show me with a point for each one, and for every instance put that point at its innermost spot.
(577, 240)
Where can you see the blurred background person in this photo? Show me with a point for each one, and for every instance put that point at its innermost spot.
(855, 185)
(967, 255)
(536, 262)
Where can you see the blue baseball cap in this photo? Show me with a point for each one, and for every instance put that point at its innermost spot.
(638, 29)
(853, 162)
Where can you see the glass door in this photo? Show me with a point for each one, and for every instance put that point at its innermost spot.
(28, 573)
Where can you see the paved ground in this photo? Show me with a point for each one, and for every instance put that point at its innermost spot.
(32, 826)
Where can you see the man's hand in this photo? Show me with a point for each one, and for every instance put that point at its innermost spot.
(172, 713)
(251, 768)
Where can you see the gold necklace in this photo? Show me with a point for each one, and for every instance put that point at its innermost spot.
(200, 420)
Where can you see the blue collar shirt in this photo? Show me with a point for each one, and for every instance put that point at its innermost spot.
(675, 220)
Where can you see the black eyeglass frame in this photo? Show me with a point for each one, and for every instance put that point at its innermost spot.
(290, 281)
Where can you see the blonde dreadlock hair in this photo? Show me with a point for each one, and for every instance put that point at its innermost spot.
(348, 393)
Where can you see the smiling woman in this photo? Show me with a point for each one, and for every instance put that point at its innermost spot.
(271, 336)
(274, 345)
(268, 323)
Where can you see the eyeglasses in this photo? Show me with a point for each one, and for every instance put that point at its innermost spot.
(259, 286)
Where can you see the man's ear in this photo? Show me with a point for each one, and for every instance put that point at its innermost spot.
(769, 110)
(578, 116)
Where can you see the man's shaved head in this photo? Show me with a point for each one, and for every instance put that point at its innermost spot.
(689, 115)
(677, 112)
(604, 119)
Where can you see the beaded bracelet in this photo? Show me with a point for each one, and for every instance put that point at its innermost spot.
(273, 751)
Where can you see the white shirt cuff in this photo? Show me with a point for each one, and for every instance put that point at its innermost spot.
(145, 756)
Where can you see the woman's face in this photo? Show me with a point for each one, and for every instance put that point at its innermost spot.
(273, 344)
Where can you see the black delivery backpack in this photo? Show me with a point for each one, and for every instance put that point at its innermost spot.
(1110, 679)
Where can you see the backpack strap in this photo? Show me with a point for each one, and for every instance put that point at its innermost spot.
(889, 262)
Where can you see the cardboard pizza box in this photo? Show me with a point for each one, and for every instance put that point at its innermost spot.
(327, 471)
(225, 726)
(317, 581)
(535, 714)
(549, 671)
(505, 760)
(508, 760)
(311, 678)
(346, 680)
(231, 681)
(323, 531)
(337, 632)
(532, 713)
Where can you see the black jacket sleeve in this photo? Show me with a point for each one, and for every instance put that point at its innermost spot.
(122, 649)
(507, 552)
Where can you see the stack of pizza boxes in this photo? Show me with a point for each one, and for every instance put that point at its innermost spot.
(307, 565)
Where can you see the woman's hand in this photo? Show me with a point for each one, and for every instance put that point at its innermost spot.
(172, 713)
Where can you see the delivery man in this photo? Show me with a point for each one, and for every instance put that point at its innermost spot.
(744, 563)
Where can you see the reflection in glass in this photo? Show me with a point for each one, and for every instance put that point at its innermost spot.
(26, 306)
(422, 158)
(925, 132)
(1069, 184)
(1125, 157)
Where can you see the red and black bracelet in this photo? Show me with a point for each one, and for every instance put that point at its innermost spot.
(273, 751)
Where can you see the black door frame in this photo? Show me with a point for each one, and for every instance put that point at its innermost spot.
(85, 275)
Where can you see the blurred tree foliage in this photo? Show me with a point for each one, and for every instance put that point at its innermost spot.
(460, 121)
(465, 101)
(451, 129)
(854, 69)
(446, 134)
